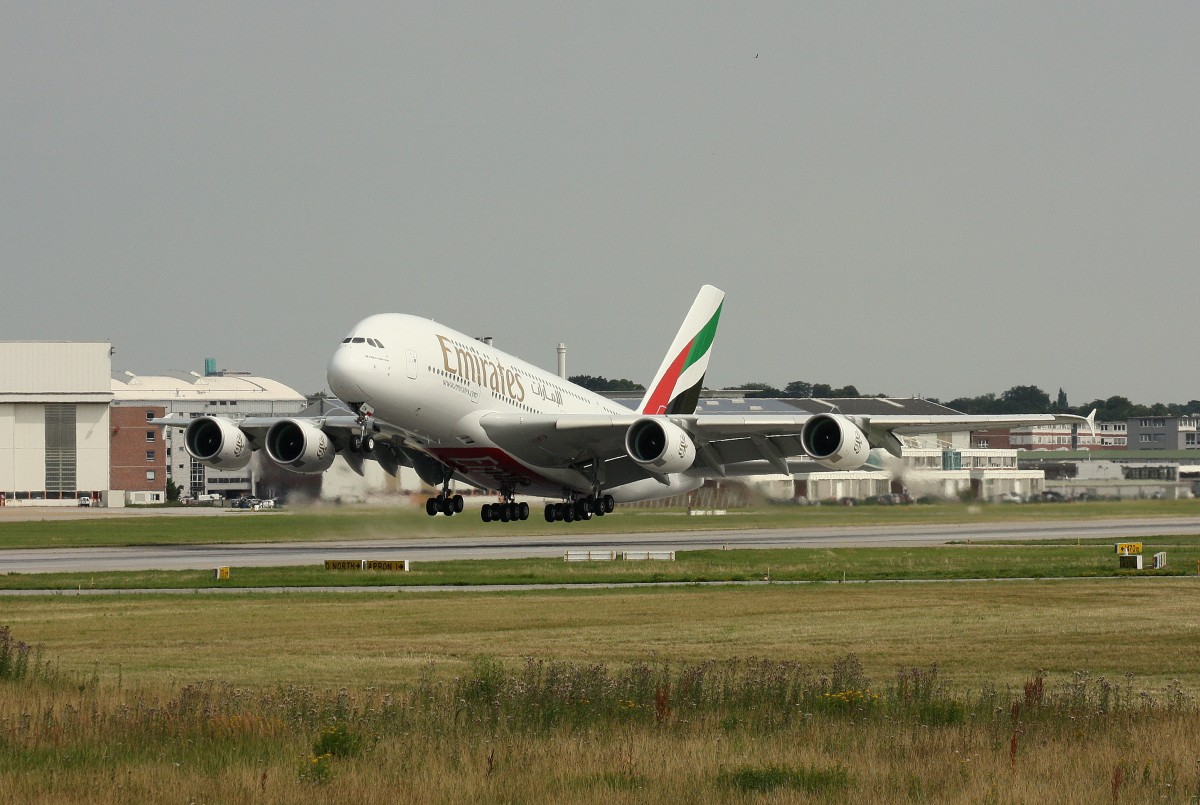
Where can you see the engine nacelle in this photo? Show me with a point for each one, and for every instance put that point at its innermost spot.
(834, 441)
(660, 445)
(217, 443)
(300, 446)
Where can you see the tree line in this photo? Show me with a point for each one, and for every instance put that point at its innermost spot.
(1017, 400)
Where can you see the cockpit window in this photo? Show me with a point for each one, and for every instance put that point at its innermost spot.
(379, 344)
(346, 340)
(371, 341)
(357, 340)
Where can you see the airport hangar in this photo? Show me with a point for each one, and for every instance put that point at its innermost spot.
(69, 429)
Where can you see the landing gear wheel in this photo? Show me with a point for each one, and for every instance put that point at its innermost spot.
(485, 514)
(431, 507)
(457, 500)
(550, 518)
(609, 504)
(522, 511)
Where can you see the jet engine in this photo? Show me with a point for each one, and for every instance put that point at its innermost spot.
(217, 443)
(300, 446)
(834, 441)
(660, 445)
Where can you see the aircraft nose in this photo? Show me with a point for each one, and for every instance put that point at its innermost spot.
(344, 374)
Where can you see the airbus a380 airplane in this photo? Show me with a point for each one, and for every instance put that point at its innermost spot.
(452, 407)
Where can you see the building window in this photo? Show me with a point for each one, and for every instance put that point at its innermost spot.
(149, 415)
(150, 436)
(150, 475)
(150, 455)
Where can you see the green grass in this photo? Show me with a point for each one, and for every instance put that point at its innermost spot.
(316, 524)
(979, 561)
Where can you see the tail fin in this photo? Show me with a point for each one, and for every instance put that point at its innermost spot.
(676, 387)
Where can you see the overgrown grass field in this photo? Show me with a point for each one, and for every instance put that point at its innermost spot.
(1072, 691)
(358, 523)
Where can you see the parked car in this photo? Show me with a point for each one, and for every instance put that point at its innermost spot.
(85, 501)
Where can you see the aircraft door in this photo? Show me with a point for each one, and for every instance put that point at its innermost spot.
(411, 360)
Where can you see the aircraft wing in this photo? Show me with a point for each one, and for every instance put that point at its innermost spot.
(723, 442)
(341, 427)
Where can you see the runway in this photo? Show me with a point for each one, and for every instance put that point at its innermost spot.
(183, 557)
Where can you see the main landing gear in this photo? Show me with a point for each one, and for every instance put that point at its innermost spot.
(444, 503)
(580, 509)
(507, 510)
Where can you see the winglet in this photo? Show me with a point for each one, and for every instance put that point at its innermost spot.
(676, 386)
(1091, 421)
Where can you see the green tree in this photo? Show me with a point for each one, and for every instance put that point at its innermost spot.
(798, 388)
(604, 384)
(1025, 400)
(759, 390)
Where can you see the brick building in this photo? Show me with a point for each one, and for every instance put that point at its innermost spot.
(138, 453)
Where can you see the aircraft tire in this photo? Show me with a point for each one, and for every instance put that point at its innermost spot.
(485, 514)
(431, 507)
(550, 518)
(609, 504)
(458, 503)
(523, 510)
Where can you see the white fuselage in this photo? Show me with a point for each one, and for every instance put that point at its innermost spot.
(432, 384)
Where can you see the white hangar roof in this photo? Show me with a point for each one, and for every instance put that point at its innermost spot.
(55, 371)
(242, 388)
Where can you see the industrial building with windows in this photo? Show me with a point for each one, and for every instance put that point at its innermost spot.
(230, 394)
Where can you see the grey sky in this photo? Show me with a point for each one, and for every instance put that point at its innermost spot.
(935, 198)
